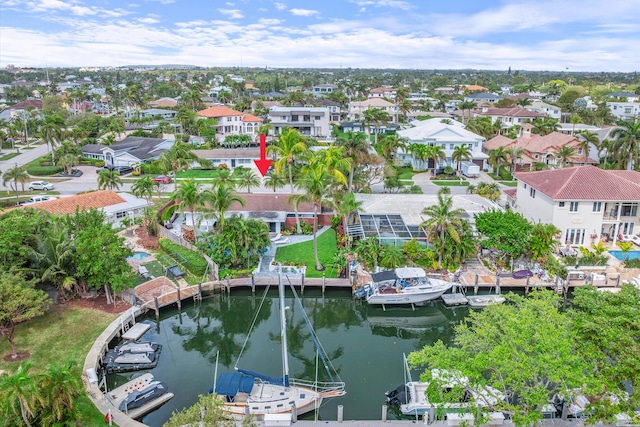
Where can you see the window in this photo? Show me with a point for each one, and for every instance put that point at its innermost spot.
(629, 209)
(294, 118)
(574, 236)
(561, 204)
(444, 145)
(573, 207)
(316, 117)
(532, 193)
(450, 146)
(475, 145)
(306, 118)
(597, 206)
(120, 215)
(525, 186)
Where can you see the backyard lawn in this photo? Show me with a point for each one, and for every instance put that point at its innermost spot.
(63, 334)
(302, 253)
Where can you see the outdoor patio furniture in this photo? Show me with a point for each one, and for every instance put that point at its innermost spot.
(144, 272)
(175, 271)
(522, 274)
(276, 237)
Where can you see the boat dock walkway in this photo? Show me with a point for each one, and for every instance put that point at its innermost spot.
(554, 422)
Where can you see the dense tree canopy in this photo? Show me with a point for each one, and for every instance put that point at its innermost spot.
(507, 232)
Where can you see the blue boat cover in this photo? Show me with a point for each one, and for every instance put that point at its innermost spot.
(272, 380)
(229, 384)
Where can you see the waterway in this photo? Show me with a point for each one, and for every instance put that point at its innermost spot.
(365, 344)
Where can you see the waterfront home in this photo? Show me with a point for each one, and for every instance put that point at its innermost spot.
(587, 204)
(131, 151)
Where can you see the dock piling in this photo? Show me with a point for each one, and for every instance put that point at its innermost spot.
(228, 285)
(384, 413)
(179, 300)
(157, 308)
(294, 413)
(323, 283)
(340, 413)
(253, 284)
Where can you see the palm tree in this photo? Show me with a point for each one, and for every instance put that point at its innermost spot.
(587, 138)
(14, 176)
(109, 180)
(178, 157)
(404, 107)
(441, 219)
(544, 126)
(347, 206)
(290, 146)
(274, 180)
(392, 256)
(51, 132)
(466, 105)
(496, 157)
(524, 102)
(20, 394)
(247, 179)
(419, 155)
(515, 153)
(53, 257)
(390, 144)
(564, 154)
(461, 152)
(627, 137)
(143, 187)
(356, 148)
(375, 117)
(316, 182)
(61, 386)
(574, 120)
(220, 198)
(189, 196)
(333, 160)
(435, 153)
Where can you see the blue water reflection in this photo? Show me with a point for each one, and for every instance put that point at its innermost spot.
(365, 344)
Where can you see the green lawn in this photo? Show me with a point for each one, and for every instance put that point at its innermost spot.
(406, 174)
(302, 253)
(509, 183)
(198, 173)
(64, 333)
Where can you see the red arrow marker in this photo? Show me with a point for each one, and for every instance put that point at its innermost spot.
(264, 163)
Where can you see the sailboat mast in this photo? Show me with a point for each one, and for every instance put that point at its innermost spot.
(283, 329)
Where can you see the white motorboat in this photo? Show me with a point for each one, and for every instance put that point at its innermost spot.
(139, 396)
(246, 392)
(412, 396)
(482, 301)
(408, 285)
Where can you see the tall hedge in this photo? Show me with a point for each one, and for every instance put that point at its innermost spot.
(196, 264)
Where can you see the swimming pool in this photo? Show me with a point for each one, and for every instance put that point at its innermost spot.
(137, 256)
(628, 255)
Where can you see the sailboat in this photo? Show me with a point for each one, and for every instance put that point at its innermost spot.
(247, 392)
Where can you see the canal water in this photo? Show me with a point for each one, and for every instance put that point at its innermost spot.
(365, 345)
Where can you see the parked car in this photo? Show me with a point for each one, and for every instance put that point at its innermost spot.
(122, 170)
(40, 185)
(163, 179)
(37, 199)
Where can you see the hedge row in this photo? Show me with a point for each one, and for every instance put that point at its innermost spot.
(36, 170)
(196, 264)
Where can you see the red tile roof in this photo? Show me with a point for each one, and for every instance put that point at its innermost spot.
(251, 118)
(584, 183)
(218, 111)
(82, 202)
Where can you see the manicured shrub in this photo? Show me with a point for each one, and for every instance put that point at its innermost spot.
(100, 163)
(35, 170)
(196, 264)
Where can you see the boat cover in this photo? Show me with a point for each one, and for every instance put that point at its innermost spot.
(272, 380)
(383, 276)
(410, 272)
(229, 384)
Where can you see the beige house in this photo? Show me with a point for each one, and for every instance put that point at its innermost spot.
(587, 204)
(232, 122)
(357, 108)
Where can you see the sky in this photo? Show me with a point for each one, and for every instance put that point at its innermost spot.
(556, 35)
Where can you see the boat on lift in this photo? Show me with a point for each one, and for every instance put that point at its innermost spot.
(139, 396)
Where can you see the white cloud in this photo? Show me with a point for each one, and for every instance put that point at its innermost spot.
(273, 21)
(303, 12)
(232, 13)
(280, 6)
(404, 5)
(162, 1)
(148, 20)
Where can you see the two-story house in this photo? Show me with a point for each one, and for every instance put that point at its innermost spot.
(625, 110)
(448, 134)
(382, 92)
(357, 108)
(309, 121)
(539, 149)
(483, 98)
(508, 116)
(232, 122)
(549, 110)
(323, 90)
(585, 203)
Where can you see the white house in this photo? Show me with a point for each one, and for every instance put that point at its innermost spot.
(231, 157)
(232, 122)
(309, 121)
(357, 108)
(539, 106)
(323, 89)
(508, 116)
(448, 134)
(383, 92)
(483, 97)
(131, 151)
(585, 203)
(624, 110)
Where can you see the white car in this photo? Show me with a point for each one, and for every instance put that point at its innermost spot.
(37, 199)
(40, 185)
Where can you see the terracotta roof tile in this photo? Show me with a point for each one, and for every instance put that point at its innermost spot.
(218, 111)
(584, 183)
(86, 201)
(251, 118)
(497, 141)
(268, 202)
